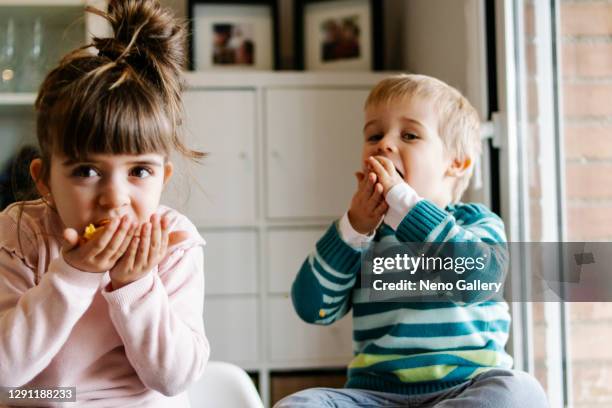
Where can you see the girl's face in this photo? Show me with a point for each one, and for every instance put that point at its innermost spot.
(104, 186)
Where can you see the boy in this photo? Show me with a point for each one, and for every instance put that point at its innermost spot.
(421, 137)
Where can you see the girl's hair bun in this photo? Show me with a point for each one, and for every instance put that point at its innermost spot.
(149, 39)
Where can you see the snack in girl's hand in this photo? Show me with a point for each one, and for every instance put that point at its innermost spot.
(91, 229)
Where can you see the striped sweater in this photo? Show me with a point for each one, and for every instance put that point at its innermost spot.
(408, 348)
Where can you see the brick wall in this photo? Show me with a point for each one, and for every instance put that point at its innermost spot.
(586, 71)
(586, 34)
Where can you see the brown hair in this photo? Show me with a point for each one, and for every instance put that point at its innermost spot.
(124, 99)
(457, 118)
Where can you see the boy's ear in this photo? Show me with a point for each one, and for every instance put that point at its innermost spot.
(168, 171)
(35, 172)
(458, 167)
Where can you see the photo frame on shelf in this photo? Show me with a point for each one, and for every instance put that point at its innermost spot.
(338, 35)
(233, 35)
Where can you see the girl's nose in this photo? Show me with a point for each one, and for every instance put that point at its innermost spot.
(113, 197)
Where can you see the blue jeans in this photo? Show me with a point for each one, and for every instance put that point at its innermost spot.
(496, 388)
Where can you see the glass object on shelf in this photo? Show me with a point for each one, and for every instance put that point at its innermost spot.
(33, 64)
(8, 57)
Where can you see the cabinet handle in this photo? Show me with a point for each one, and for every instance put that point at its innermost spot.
(243, 155)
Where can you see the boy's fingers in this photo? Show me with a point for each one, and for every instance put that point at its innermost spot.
(381, 209)
(386, 163)
(376, 197)
(377, 167)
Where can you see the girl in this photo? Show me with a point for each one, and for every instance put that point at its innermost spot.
(118, 316)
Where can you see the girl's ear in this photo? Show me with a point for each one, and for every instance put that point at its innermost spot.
(458, 167)
(168, 171)
(35, 171)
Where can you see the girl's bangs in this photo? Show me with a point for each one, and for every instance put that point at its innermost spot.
(125, 120)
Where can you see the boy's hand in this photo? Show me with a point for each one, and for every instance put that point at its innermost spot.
(145, 251)
(368, 205)
(102, 251)
(385, 171)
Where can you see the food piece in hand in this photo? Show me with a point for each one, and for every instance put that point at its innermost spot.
(91, 229)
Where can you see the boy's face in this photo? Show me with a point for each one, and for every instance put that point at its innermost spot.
(106, 186)
(406, 132)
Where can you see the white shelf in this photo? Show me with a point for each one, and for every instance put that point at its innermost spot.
(17, 99)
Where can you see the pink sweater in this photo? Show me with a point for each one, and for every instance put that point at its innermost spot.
(138, 346)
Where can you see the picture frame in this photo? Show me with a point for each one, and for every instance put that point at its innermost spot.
(233, 35)
(338, 35)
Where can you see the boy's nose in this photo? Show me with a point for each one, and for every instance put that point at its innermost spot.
(386, 146)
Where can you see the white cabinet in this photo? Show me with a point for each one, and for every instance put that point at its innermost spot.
(222, 190)
(283, 148)
(231, 262)
(314, 139)
(299, 342)
(286, 251)
(232, 329)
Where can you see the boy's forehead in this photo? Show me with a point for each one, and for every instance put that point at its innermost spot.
(413, 107)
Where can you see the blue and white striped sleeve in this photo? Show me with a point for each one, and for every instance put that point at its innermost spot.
(321, 292)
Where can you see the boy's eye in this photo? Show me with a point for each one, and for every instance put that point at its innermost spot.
(85, 171)
(141, 172)
(374, 138)
(409, 136)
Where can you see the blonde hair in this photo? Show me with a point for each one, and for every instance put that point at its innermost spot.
(459, 125)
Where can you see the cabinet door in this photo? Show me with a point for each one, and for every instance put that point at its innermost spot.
(222, 189)
(287, 250)
(293, 341)
(231, 262)
(314, 142)
(231, 328)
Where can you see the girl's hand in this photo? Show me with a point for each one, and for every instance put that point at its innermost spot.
(385, 172)
(368, 205)
(147, 248)
(102, 251)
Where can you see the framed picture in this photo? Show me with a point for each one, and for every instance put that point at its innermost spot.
(339, 35)
(233, 35)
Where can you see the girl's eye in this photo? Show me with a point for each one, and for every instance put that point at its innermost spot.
(409, 136)
(85, 172)
(141, 172)
(374, 138)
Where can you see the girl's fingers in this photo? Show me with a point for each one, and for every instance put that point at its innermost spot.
(132, 251)
(118, 238)
(176, 237)
(102, 241)
(124, 244)
(142, 256)
(156, 238)
(71, 238)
